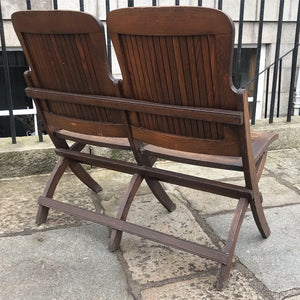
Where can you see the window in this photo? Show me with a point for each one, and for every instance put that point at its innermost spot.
(23, 107)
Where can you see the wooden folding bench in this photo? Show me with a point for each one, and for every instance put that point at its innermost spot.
(176, 101)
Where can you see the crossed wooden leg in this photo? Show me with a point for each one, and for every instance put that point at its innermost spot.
(231, 241)
(116, 235)
(256, 203)
(57, 173)
(80, 172)
(134, 184)
(259, 217)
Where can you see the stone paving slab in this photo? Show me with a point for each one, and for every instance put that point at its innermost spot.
(18, 203)
(18, 199)
(293, 298)
(276, 260)
(284, 164)
(71, 263)
(203, 288)
(274, 194)
(160, 272)
(151, 262)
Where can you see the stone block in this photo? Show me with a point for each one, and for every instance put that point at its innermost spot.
(276, 260)
(151, 262)
(203, 288)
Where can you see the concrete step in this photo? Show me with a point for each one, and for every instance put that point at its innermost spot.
(30, 157)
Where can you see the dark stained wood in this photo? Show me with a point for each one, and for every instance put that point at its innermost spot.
(198, 113)
(176, 101)
(229, 146)
(67, 57)
(118, 143)
(231, 241)
(56, 121)
(190, 63)
(116, 235)
(56, 175)
(260, 140)
(250, 174)
(211, 186)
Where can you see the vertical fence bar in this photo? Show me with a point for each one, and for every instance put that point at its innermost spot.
(55, 4)
(279, 28)
(81, 5)
(39, 122)
(258, 53)
(294, 64)
(107, 7)
(239, 48)
(267, 93)
(28, 4)
(220, 4)
(154, 3)
(7, 81)
(279, 88)
(199, 2)
(130, 3)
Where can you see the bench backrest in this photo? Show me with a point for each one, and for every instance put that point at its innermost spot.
(66, 52)
(178, 56)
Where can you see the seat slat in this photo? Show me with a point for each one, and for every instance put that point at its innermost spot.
(228, 147)
(117, 143)
(260, 141)
(84, 126)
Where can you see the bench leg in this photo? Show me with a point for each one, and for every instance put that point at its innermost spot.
(116, 235)
(156, 187)
(160, 194)
(85, 177)
(134, 184)
(57, 173)
(259, 216)
(231, 241)
(256, 204)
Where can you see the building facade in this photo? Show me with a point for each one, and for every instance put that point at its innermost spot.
(242, 76)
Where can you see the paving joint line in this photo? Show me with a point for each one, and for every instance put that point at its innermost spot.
(284, 182)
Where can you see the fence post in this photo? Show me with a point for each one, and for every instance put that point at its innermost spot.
(294, 63)
(7, 81)
(297, 97)
(278, 40)
(259, 39)
(239, 48)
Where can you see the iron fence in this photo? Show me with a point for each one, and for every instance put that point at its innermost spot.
(273, 70)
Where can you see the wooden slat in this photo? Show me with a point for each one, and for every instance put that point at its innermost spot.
(260, 140)
(117, 143)
(55, 122)
(208, 114)
(169, 21)
(137, 230)
(213, 161)
(220, 188)
(226, 147)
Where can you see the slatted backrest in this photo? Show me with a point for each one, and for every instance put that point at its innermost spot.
(179, 56)
(66, 52)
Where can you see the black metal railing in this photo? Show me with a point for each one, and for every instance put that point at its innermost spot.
(271, 99)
